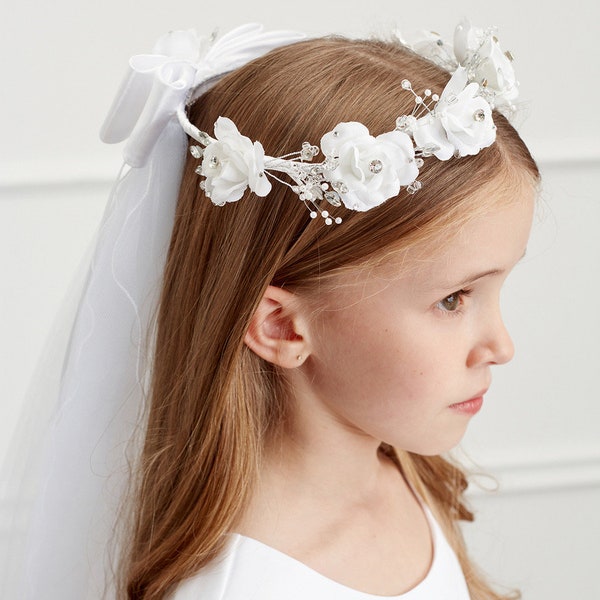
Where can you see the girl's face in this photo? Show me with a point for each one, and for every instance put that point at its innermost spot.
(403, 355)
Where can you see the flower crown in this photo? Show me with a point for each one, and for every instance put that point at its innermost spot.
(356, 169)
(359, 170)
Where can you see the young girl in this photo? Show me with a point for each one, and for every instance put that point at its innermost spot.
(328, 312)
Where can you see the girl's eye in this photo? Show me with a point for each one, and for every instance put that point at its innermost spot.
(452, 302)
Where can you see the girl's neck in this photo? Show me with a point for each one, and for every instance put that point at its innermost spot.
(325, 491)
(323, 469)
(334, 460)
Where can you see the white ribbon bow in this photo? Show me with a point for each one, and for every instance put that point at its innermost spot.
(159, 84)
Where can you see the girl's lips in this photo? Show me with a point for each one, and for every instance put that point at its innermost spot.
(469, 407)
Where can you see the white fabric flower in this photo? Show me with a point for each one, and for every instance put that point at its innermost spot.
(481, 52)
(233, 163)
(461, 122)
(370, 169)
(430, 45)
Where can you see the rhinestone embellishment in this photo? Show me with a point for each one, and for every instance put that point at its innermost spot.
(479, 115)
(196, 151)
(333, 199)
(376, 166)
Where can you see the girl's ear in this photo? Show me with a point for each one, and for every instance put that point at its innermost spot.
(277, 330)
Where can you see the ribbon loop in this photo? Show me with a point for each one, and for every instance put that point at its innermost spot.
(157, 85)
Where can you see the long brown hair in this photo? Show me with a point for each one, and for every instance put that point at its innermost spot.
(213, 400)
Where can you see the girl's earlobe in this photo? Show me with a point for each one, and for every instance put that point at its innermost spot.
(277, 331)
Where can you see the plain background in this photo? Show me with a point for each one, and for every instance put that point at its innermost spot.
(539, 433)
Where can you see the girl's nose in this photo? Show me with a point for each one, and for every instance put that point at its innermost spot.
(494, 347)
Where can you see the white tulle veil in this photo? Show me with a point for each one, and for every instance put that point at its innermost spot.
(68, 466)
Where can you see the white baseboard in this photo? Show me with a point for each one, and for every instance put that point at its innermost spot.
(558, 473)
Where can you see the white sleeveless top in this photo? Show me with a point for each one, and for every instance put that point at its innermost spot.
(251, 570)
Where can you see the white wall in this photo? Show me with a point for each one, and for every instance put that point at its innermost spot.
(539, 432)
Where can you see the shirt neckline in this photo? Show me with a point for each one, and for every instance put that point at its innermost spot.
(435, 536)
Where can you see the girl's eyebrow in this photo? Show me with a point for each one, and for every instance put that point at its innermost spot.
(476, 276)
(491, 272)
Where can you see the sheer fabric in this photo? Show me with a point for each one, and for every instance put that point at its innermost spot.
(69, 465)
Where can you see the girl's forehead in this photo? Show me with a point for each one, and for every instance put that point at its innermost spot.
(493, 239)
(491, 234)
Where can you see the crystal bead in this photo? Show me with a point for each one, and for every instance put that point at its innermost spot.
(331, 163)
(419, 162)
(435, 97)
(338, 220)
(414, 187)
(308, 151)
(427, 92)
(325, 214)
(313, 214)
(328, 220)
(405, 83)
(333, 198)
(509, 55)
(340, 186)
(479, 115)
(376, 166)
(418, 100)
(213, 163)
(196, 151)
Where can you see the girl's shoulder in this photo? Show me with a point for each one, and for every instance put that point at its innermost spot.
(250, 570)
